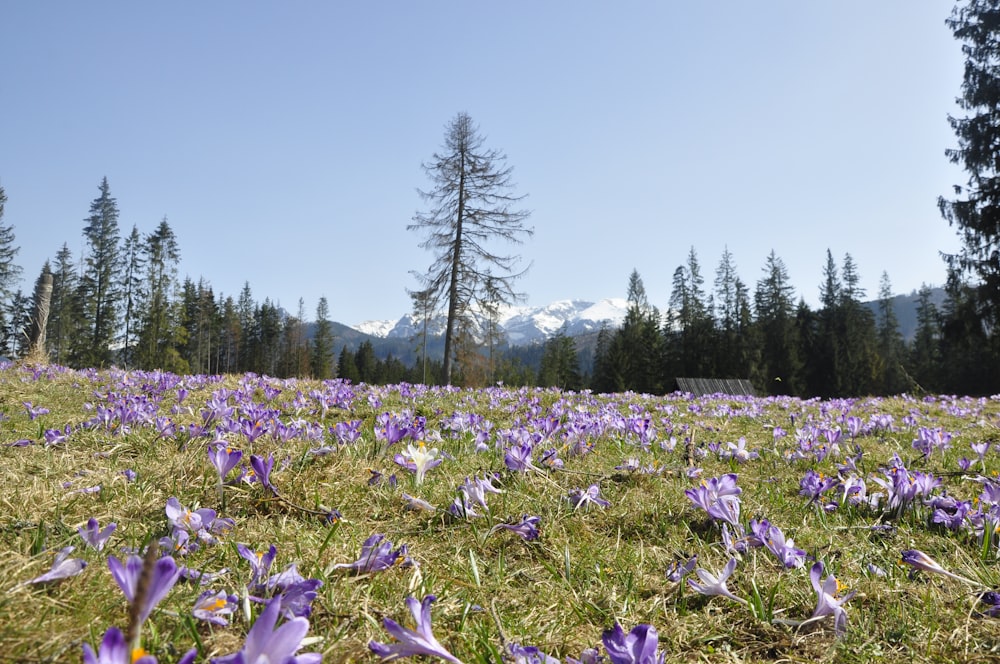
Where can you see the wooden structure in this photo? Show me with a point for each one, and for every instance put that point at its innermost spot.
(702, 386)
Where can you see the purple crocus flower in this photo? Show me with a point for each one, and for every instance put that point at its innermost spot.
(921, 561)
(260, 563)
(515, 653)
(411, 642)
(94, 535)
(813, 485)
(57, 436)
(264, 643)
(719, 497)
(297, 599)
(417, 504)
(163, 576)
(637, 647)
(262, 471)
(592, 495)
(712, 584)
(476, 489)
(114, 650)
(517, 458)
(213, 607)
(678, 570)
(193, 521)
(827, 602)
(588, 656)
(34, 412)
(223, 457)
(774, 540)
(63, 567)
(990, 600)
(284, 579)
(527, 529)
(980, 448)
(376, 555)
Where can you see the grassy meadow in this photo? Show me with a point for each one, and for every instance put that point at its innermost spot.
(844, 479)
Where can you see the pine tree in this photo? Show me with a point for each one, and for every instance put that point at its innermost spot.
(890, 342)
(229, 339)
(560, 365)
(246, 310)
(10, 272)
(966, 358)
(471, 210)
(159, 327)
(65, 315)
(824, 369)
(18, 327)
(976, 209)
(691, 349)
(322, 343)
(636, 352)
(347, 369)
(100, 286)
(859, 361)
(365, 362)
(135, 294)
(780, 367)
(603, 378)
(267, 340)
(925, 353)
(727, 287)
(423, 310)
(294, 359)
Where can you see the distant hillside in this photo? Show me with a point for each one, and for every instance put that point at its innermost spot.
(905, 307)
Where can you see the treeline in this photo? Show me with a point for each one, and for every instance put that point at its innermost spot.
(122, 303)
(783, 346)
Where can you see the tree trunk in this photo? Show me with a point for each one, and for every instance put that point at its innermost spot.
(40, 320)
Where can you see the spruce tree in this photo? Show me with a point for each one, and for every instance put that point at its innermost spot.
(824, 369)
(859, 361)
(975, 210)
(726, 348)
(925, 352)
(18, 328)
(159, 325)
(347, 369)
(780, 366)
(245, 310)
(637, 349)
(364, 360)
(65, 315)
(322, 343)
(10, 272)
(100, 286)
(135, 294)
(893, 378)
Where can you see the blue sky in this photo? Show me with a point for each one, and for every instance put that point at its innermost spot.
(283, 141)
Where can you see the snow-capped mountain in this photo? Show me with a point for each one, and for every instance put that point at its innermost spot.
(521, 325)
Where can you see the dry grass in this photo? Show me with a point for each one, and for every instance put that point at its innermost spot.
(589, 569)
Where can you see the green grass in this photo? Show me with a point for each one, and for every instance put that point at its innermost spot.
(589, 569)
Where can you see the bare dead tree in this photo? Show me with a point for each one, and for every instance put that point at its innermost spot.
(471, 212)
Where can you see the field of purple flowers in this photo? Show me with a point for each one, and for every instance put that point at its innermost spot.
(152, 517)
